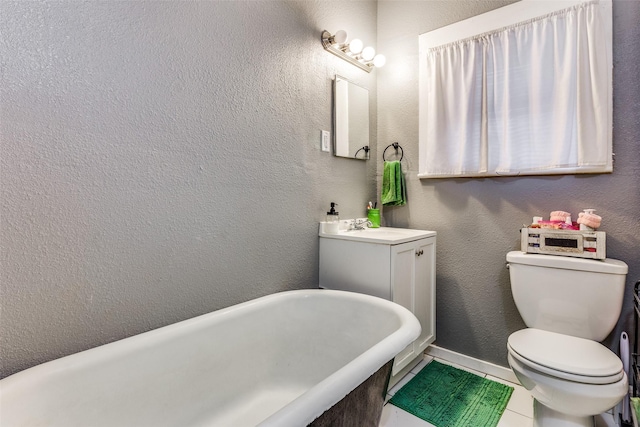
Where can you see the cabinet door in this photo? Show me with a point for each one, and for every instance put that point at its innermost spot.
(413, 287)
(425, 292)
(403, 281)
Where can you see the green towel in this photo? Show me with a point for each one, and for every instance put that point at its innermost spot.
(635, 407)
(394, 189)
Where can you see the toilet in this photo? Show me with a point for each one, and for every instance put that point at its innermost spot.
(569, 305)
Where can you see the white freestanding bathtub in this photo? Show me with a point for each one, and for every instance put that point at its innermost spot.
(281, 360)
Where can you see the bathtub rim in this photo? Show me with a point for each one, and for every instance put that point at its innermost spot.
(302, 410)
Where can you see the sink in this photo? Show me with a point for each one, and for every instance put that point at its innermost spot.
(384, 235)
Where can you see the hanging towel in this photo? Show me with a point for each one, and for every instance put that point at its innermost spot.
(394, 190)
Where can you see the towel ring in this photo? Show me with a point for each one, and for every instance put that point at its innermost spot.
(366, 152)
(395, 145)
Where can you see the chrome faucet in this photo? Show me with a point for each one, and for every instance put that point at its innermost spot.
(359, 224)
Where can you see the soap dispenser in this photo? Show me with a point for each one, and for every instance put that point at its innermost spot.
(332, 215)
(332, 224)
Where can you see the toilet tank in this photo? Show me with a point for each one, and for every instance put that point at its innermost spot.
(572, 296)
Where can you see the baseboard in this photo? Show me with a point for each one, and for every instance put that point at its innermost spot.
(472, 363)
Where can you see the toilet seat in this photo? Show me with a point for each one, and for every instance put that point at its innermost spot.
(567, 357)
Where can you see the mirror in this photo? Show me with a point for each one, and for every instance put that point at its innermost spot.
(350, 120)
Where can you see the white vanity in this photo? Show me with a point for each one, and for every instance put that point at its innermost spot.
(396, 264)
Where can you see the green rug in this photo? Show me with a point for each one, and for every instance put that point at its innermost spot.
(448, 397)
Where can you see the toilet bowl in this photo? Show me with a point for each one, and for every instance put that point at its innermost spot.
(571, 379)
(569, 305)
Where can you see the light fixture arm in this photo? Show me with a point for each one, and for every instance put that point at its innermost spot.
(328, 44)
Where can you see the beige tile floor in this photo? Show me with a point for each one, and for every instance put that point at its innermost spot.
(519, 410)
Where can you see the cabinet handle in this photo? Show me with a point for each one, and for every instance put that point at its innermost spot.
(420, 252)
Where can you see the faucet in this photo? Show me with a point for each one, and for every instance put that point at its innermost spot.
(359, 224)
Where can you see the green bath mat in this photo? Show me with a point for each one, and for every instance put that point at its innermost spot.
(448, 397)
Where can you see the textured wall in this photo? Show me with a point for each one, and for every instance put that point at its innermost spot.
(161, 160)
(477, 220)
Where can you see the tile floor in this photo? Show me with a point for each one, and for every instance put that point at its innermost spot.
(519, 410)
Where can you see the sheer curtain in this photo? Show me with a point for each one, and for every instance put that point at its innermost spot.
(526, 99)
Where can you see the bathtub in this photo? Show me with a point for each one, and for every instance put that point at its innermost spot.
(280, 360)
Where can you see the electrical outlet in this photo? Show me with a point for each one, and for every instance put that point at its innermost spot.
(326, 141)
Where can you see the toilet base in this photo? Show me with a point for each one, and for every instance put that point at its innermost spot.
(544, 416)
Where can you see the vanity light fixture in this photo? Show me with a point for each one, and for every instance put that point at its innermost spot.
(352, 52)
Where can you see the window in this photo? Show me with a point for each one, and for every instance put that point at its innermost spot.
(532, 97)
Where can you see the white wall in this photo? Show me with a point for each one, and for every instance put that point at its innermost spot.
(161, 160)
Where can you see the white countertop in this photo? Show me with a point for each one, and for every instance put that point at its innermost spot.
(383, 235)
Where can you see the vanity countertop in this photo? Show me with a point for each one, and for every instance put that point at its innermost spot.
(383, 235)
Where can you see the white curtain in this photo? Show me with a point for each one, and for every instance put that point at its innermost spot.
(529, 98)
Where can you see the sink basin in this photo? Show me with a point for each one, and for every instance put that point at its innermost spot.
(385, 235)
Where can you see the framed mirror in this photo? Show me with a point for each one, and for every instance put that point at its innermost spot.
(350, 119)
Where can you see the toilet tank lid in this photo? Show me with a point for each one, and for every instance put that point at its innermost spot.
(609, 266)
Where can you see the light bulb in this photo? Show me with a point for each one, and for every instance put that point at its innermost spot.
(355, 46)
(379, 61)
(368, 53)
(340, 37)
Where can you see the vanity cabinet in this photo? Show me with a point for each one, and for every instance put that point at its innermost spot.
(400, 268)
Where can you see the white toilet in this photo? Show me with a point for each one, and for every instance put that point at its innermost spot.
(569, 305)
